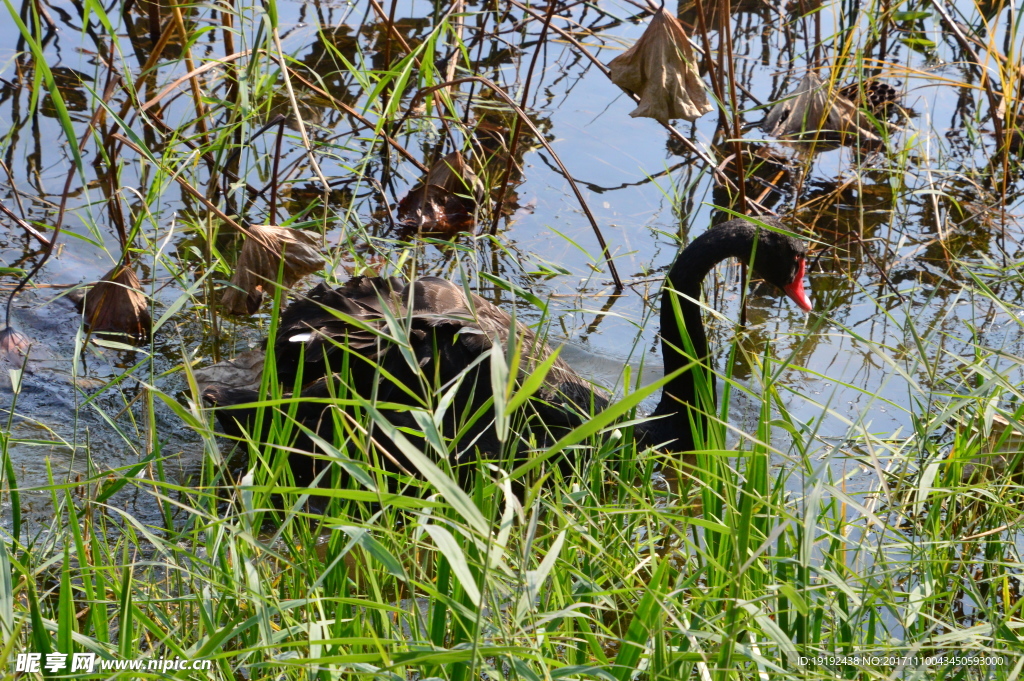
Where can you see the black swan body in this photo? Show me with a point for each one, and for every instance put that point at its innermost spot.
(344, 342)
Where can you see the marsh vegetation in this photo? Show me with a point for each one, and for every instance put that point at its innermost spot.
(172, 176)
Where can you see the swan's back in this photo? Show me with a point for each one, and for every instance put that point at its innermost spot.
(447, 332)
(402, 346)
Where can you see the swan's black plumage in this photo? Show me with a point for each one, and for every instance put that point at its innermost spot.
(775, 257)
(344, 342)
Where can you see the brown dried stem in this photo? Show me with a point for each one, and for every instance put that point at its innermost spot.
(737, 134)
(94, 120)
(518, 127)
(197, 92)
(540, 137)
(25, 226)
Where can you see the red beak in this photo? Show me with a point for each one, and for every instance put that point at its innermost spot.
(795, 289)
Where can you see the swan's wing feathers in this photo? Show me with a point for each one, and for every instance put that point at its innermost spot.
(441, 314)
(313, 324)
(482, 323)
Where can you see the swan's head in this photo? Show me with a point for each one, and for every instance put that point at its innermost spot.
(782, 260)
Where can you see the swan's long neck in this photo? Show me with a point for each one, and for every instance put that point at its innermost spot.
(683, 285)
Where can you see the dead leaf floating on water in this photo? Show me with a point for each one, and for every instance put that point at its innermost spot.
(116, 306)
(14, 347)
(446, 199)
(662, 70)
(810, 111)
(454, 174)
(260, 260)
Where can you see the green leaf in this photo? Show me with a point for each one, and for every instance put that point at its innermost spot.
(910, 16)
(918, 42)
(533, 382)
(499, 387)
(648, 612)
(6, 595)
(450, 549)
(65, 608)
(599, 421)
(448, 488)
(536, 578)
(126, 628)
(362, 537)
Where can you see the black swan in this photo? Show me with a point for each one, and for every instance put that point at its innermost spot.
(343, 341)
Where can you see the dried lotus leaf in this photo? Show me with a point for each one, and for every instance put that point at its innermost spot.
(454, 174)
(115, 306)
(662, 70)
(14, 346)
(260, 260)
(813, 111)
(446, 199)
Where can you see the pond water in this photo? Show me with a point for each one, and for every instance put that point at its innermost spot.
(895, 232)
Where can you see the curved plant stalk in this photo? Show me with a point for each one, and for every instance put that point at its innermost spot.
(517, 128)
(540, 137)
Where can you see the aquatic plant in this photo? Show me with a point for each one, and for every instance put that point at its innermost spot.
(854, 497)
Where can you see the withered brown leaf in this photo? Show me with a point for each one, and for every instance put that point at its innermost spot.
(116, 307)
(662, 70)
(811, 110)
(260, 260)
(14, 347)
(446, 199)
